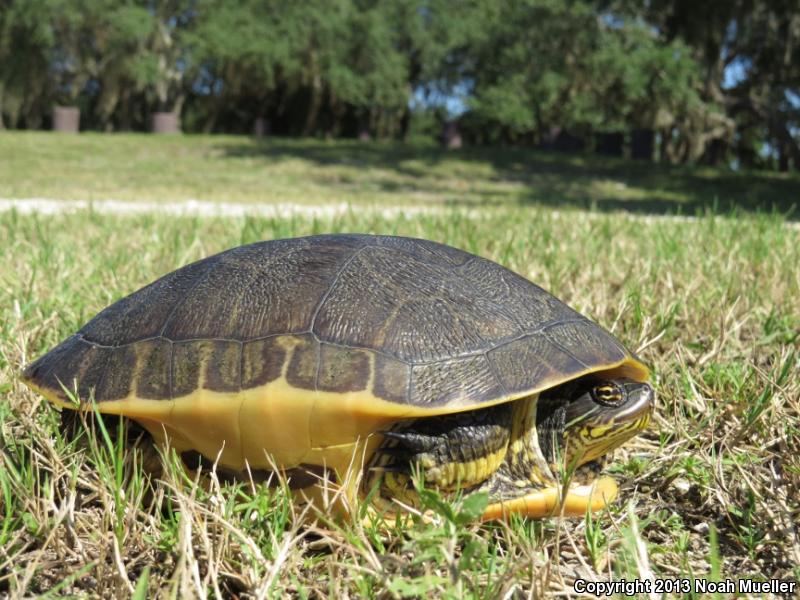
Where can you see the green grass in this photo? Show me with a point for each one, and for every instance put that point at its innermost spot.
(712, 488)
(143, 167)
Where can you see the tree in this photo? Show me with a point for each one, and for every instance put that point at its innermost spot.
(544, 66)
(750, 56)
(26, 43)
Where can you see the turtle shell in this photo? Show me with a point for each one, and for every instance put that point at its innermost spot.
(322, 338)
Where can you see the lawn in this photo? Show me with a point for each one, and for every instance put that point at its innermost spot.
(711, 490)
(231, 169)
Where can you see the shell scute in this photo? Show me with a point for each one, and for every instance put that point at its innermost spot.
(343, 369)
(587, 344)
(223, 372)
(259, 290)
(153, 369)
(531, 362)
(142, 315)
(301, 372)
(458, 381)
(392, 379)
(262, 361)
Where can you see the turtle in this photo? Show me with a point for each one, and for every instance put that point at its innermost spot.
(371, 364)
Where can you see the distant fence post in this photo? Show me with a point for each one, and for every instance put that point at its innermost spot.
(451, 136)
(165, 122)
(261, 127)
(66, 119)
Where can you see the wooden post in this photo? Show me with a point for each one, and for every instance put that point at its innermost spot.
(451, 136)
(165, 122)
(261, 127)
(66, 119)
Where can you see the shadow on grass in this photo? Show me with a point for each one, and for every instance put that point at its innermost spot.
(537, 177)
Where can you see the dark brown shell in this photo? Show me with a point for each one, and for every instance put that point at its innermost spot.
(422, 323)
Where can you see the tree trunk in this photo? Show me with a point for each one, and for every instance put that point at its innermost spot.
(316, 96)
(788, 149)
(215, 108)
(313, 106)
(210, 121)
(337, 112)
(107, 103)
(177, 106)
(12, 109)
(783, 157)
(715, 152)
(668, 151)
(124, 111)
(364, 134)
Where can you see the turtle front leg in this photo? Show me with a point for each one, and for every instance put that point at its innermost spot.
(452, 451)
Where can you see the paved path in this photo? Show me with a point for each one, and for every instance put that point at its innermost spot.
(205, 208)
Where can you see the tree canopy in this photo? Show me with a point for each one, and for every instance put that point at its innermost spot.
(684, 82)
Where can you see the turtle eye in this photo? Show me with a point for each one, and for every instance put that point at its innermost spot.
(608, 394)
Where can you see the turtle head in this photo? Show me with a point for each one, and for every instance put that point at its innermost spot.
(586, 421)
(512, 450)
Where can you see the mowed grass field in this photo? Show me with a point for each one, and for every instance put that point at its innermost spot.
(710, 491)
(146, 168)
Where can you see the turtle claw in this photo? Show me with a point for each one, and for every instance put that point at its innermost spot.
(414, 442)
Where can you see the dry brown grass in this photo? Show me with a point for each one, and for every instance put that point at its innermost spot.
(712, 489)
